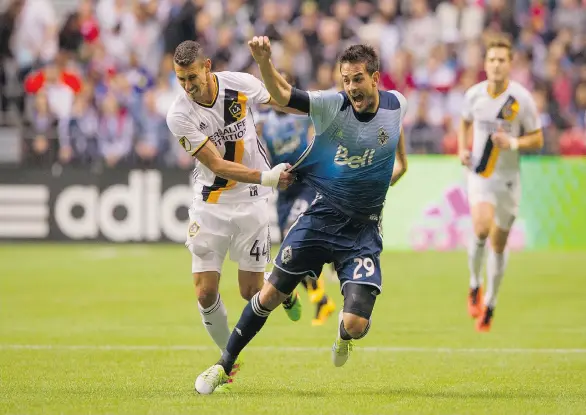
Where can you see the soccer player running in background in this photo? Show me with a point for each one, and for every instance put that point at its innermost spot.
(212, 121)
(505, 121)
(351, 163)
(286, 137)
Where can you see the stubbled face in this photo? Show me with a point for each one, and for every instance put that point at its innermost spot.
(497, 64)
(360, 87)
(194, 78)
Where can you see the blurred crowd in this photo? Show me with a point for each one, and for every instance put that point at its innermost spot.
(92, 83)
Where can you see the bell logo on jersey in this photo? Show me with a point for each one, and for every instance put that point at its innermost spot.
(354, 162)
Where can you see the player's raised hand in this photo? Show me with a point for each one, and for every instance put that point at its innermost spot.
(501, 139)
(260, 48)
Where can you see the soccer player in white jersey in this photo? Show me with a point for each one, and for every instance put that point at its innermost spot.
(503, 119)
(213, 122)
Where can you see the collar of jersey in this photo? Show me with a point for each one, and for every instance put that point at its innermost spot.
(216, 93)
(366, 116)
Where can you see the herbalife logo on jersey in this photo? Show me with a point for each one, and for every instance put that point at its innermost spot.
(342, 158)
(233, 132)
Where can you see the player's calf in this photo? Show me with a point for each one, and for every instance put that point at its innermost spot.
(354, 319)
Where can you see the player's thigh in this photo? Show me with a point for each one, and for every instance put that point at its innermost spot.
(251, 242)
(306, 248)
(482, 200)
(361, 264)
(506, 212)
(507, 206)
(249, 282)
(359, 300)
(208, 236)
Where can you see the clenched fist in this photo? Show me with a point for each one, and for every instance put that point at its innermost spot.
(260, 48)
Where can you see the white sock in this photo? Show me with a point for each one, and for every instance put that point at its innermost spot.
(215, 320)
(495, 269)
(475, 257)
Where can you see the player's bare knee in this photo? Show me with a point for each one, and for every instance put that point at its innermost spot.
(482, 229)
(206, 295)
(355, 326)
(248, 291)
(498, 239)
(359, 302)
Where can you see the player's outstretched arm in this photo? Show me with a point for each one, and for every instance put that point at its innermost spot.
(400, 167)
(463, 134)
(276, 177)
(278, 87)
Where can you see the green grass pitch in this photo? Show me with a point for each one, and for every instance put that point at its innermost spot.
(115, 329)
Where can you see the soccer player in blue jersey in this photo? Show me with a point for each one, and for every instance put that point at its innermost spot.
(357, 153)
(286, 136)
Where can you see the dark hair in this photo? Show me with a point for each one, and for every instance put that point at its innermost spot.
(361, 54)
(187, 52)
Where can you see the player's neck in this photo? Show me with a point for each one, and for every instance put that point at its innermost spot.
(497, 88)
(374, 107)
(210, 91)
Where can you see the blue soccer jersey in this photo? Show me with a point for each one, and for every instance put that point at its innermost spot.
(286, 136)
(350, 162)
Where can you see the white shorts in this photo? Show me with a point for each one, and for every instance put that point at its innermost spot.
(503, 194)
(241, 227)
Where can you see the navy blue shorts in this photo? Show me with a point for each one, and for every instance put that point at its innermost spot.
(323, 235)
(291, 203)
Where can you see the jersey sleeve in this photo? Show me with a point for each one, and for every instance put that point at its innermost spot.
(323, 108)
(402, 102)
(254, 89)
(466, 112)
(185, 130)
(530, 119)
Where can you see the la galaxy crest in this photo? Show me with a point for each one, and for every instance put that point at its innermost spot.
(235, 109)
(382, 136)
(510, 109)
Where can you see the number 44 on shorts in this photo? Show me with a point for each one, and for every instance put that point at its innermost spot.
(255, 251)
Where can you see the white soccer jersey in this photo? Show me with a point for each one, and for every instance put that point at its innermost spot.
(229, 125)
(514, 110)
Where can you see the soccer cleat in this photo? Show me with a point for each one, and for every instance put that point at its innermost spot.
(227, 387)
(341, 348)
(323, 312)
(484, 321)
(475, 302)
(340, 351)
(208, 381)
(293, 308)
(316, 295)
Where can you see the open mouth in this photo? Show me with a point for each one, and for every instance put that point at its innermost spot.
(358, 98)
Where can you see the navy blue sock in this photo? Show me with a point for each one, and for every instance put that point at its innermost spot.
(252, 319)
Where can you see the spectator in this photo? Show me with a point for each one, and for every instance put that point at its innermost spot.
(115, 132)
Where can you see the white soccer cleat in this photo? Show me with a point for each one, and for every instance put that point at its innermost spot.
(341, 348)
(340, 351)
(208, 381)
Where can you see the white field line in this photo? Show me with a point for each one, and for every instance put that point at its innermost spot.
(269, 349)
